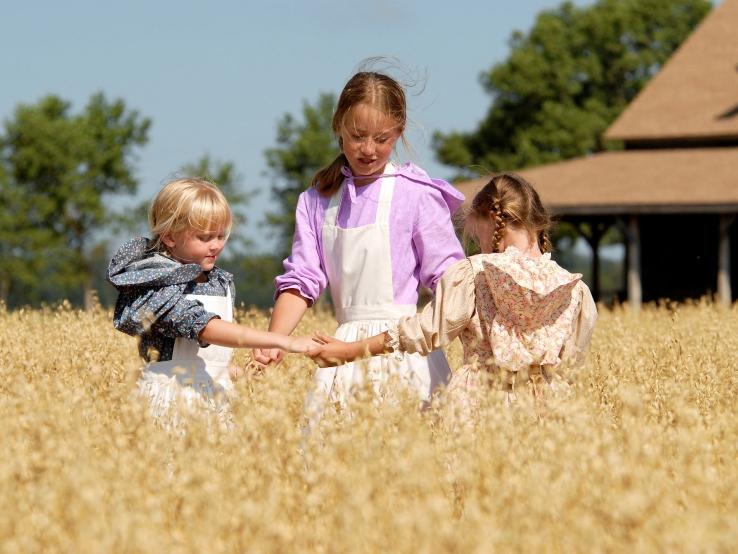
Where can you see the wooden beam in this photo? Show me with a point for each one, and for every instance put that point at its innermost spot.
(624, 210)
(724, 292)
(592, 231)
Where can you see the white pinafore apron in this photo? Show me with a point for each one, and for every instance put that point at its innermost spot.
(358, 264)
(194, 376)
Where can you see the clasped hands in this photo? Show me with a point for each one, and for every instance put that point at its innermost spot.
(323, 349)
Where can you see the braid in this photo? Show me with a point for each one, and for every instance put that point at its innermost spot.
(544, 241)
(508, 199)
(500, 221)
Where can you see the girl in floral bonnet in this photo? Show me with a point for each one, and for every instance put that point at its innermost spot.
(520, 317)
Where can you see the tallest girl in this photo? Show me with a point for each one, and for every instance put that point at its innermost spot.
(372, 231)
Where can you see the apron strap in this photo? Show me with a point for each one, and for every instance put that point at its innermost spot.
(331, 213)
(229, 307)
(384, 203)
(385, 200)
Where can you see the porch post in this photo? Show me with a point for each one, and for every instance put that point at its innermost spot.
(634, 263)
(725, 295)
(593, 237)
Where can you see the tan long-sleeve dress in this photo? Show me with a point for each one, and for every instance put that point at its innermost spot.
(520, 320)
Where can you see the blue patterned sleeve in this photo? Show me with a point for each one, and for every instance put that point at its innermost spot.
(151, 293)
(164, 311)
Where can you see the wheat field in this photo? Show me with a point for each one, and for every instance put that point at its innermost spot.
(644, 458)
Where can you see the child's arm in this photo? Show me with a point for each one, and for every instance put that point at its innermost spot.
(575, 348)
(336, 352)
(233, 335)
(304, 277)
(440, 322)
(288, 310)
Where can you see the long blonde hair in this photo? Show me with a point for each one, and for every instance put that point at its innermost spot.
(374, 89)
(508, 199)
(188, 204)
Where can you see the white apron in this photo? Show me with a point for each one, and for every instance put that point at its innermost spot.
(194, 376)
(358, 264)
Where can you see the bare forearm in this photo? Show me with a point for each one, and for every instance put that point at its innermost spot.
(288, 311)
(372, 346)
(233, 335)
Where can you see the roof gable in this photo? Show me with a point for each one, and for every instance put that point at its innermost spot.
(694, 97)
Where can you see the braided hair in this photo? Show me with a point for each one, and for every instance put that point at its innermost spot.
(500, 222)
(508, 199)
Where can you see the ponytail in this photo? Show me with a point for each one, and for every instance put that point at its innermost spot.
(329, 179)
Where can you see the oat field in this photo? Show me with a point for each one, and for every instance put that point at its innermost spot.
(644, 458)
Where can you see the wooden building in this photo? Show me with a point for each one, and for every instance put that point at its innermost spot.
(673, 190)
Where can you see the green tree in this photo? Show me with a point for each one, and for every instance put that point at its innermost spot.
(20, 266)
(566, 80)
(303, 147)
(60, 171)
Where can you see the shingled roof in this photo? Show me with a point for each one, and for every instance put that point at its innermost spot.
(694, 97)
(636, 181)
(691, 102)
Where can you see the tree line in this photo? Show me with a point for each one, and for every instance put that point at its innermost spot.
(562, 84)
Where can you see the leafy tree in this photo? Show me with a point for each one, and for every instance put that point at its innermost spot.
(59, 171)
(303, 147)
(254, 274)
(19, 264)
(566, 80)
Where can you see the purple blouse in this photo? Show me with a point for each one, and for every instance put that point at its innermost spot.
(422, 238)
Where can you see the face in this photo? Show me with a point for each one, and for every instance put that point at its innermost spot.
(368, 137)
(199, 247)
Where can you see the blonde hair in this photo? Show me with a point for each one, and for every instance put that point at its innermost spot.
(374, 89)
(188, 204)
(508, 199)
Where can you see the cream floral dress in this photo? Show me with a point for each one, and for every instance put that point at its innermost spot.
(521, 322)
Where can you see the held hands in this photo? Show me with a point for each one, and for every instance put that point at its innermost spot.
(267, 356)
(301, 345)
(323, 349)
(332, 351)
(298, 345)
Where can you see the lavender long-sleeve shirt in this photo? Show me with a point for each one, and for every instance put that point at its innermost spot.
(422, 239)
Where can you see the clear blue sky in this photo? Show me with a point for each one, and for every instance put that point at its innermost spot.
(215, 77)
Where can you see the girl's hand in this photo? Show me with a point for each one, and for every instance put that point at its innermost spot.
(266, 356)
(301, 345)
(322, 338)
(333, 351)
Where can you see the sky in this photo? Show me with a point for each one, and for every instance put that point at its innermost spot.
(216, 77)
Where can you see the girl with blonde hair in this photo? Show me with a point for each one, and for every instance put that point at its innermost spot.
(180, 304)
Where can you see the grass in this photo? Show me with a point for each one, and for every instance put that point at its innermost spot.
(643, 458)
